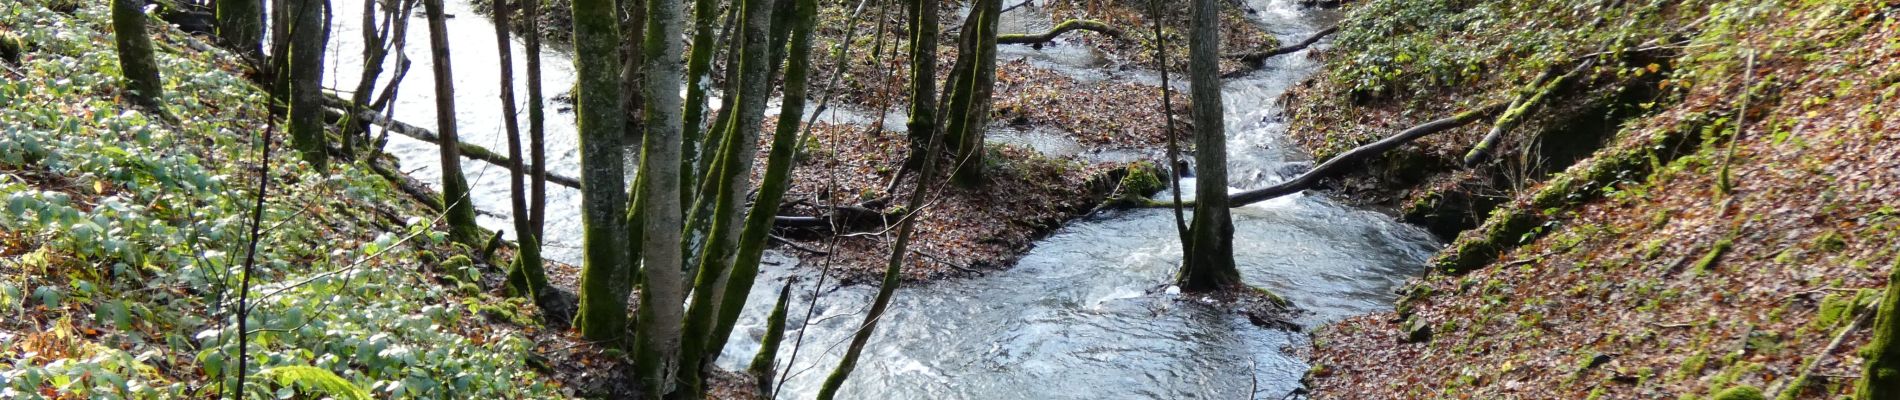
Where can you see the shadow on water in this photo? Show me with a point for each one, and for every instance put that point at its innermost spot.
(1086, 314)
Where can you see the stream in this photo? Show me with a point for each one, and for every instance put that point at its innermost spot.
(1088, 313)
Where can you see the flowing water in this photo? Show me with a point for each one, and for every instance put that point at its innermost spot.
(1086, 314)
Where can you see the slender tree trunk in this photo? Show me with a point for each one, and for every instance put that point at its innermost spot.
(455, 195)
(379, 39)
(661, 312)
(893, 271)
(308, 35)
(528, 276)
(1881, 378)
(135, 53)
(764, 363)
(537, 128)
(923, 75)
(732, 178)
(602, 120)
(778, 170)
(1208, 253)
(972, 79)
(633, 32)
(241, 26)
(698, 80)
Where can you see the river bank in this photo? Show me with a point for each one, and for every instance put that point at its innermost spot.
(1706, 207)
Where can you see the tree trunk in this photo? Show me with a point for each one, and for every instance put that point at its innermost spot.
(379, 39)
(660, 310)
(461, 210)
(537, 128)
(528, 276)
(778, 171)
(923, 75)
(1881, 378)
(732, 180)
(603, 302)
(135, 53)
(971, 81)
(698, 82)
(1208, 252)
(241, 26)
(633, 14)
(308, 34)
(764, 363)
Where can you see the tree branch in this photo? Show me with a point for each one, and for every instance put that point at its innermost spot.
(1339, 163)
(1064, 27)
(336, 113)
(1258, 56)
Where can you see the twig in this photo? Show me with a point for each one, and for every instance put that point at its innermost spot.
(796, 246)
(1802, 379)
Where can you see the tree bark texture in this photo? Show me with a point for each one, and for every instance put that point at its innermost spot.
(308, 34)
(661, 312)
(603, 284)
(1208, 254)
(136, 60)
(731, 176)
(455, 194)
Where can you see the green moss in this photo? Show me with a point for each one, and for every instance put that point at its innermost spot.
(1692, 366)
(1143, 179)
(1743, 392)
(1715, 253)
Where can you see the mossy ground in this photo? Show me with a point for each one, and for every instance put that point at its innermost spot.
(1689, 286)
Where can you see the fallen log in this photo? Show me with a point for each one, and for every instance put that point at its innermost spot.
(1338, 164)
(1064, 27)
(335, 111)
(1258, 56)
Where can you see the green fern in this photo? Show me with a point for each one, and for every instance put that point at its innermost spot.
(315, 380)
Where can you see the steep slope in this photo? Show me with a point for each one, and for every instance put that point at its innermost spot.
(1732, 228)
(124, 236)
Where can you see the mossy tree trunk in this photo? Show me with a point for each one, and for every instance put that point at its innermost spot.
(731, 177)
(527, 276)
(661, 312)
(241, 26)
(1881, 378)
(537, 126)
(455, 195)
(602, 315)
(922, 125)
(778, 172)
(764, 363)
(136, 60)
(633, 15)
(1208, 252)
(309, 32)
(698, 82)
(971, 81)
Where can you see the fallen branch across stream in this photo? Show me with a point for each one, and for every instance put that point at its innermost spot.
(1258, 56)
(1338, 164)
(336, 110)
(1064, 27)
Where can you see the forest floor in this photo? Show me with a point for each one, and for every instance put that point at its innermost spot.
(125, 236)
(1729, 229)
